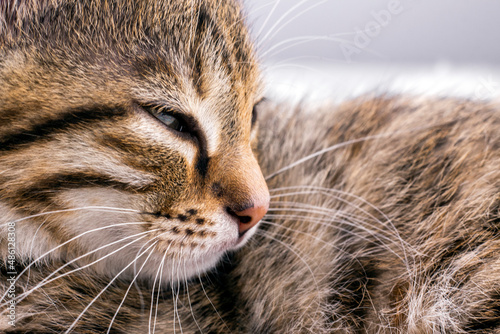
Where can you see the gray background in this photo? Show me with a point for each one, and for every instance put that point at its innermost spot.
(426, 31)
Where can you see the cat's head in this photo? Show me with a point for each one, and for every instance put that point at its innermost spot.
(134, 122)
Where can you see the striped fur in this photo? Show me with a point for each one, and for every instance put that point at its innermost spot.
(89, 174)
(384, 211)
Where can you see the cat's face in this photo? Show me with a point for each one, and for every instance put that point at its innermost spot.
(137, 120)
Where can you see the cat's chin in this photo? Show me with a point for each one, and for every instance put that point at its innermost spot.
(163, 269)
(193, 266)
(197, 266)
(177, 271)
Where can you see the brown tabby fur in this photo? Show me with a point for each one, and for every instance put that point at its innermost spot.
(392, 227)
(77, 79)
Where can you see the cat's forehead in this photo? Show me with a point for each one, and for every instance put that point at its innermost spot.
(206, 55)
(195, 48)
(204, 66)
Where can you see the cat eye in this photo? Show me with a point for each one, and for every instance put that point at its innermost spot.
(171, 121)
(169, 118)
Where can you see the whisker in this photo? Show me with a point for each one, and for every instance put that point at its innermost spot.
(274, 28)
(210, 301)
(328, 222)
(31, 250)
(299, 40)
(95, 208)
(327, 191)
(176, 307)
(301, 259)
(189, 299)
(350, 220)
(271, 12)
(297, 62)
(160, 268)
(47, 279)
(340, 240)
(307, 208)
(66, 242)
(173, 295)
(106, 287)
(265, 222)
(347, 143)
(128, 290)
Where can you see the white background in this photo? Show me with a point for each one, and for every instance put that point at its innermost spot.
(438, 47)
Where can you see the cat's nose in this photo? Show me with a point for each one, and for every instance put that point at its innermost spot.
(250, 216)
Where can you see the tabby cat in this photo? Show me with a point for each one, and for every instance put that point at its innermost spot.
(130, 187)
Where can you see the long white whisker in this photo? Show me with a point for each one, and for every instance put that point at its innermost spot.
(65, 243)
(210, 301)
(404, 245)
(47, 279)
(278, 226)
(189, 300)
(297, 63)
(307, 208)
(160, 268)
(95, 208)
(173, 295)
(302, 40)
(31, 250)
(323, 151)
(293, 18)
(274, 28)
(329, 222)
(327, 192)
(301, 259)
(128, 290)
(176, 308)
(346, 219)
(343, 144)
(271, 12)
(105, 288)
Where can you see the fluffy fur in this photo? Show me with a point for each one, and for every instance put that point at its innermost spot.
(384, 210)
(82, 87)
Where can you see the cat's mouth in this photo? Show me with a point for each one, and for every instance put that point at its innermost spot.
(244, 236)
(208, 232)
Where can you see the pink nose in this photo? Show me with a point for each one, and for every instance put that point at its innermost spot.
(249, 217)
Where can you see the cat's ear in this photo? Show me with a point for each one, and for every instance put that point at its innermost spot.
(14, 12)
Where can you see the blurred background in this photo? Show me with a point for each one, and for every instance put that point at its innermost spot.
(335, 49)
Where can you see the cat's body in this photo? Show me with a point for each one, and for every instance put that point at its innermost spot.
(392, 226)
(395, 230)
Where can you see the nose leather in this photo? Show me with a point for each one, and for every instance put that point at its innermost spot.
(249, 217)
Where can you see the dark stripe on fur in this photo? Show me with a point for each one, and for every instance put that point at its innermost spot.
(207, 29)
(202, 164)
(486, 318)
(207, 24)
(48, 127)
(44, 189)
